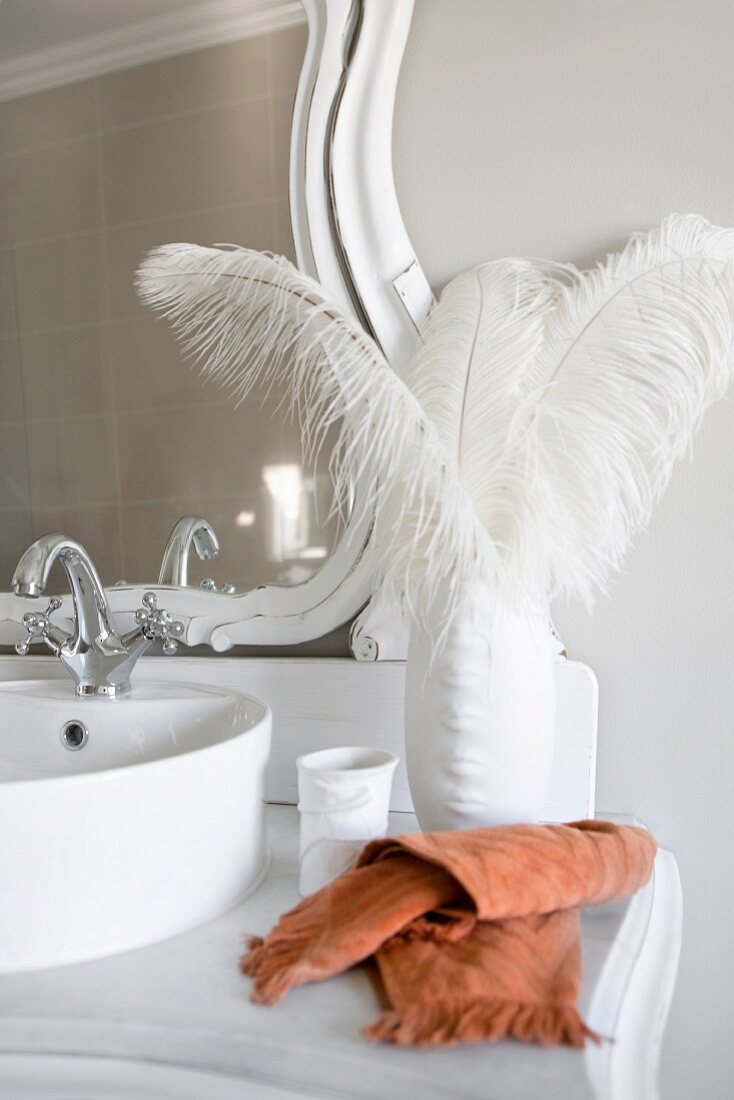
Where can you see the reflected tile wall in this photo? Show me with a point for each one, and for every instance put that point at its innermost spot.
(105, 432)
(240, 558)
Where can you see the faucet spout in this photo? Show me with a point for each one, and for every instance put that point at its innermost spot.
(99, 660)
(187, 532)
(91, 611)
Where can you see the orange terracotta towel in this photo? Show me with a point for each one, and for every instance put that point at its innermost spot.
(475, 934)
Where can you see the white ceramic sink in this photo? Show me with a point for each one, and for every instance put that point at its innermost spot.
(153, 825)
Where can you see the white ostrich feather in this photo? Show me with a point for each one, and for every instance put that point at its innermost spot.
(478, 362)
(564, 397)
(634, 352)
(251, 318)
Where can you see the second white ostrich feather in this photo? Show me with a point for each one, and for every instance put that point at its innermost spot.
(564, 397)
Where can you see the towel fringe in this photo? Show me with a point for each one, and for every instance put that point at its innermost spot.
(273, 967)
(280, 961)
(446, 1023)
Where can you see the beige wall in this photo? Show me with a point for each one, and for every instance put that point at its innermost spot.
(103, 432)
(555, 128)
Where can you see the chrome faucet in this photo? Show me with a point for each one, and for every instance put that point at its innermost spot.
(96, 656)
(188, 531)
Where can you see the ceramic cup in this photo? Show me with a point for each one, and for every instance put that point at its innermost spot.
(343, 798)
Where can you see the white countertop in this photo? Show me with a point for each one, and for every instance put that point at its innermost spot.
(184, 1003)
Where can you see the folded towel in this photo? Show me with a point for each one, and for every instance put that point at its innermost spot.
(475, 934)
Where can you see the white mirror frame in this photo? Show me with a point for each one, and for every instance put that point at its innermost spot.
(349, 234)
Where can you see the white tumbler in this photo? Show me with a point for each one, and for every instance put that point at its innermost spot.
(344, 799)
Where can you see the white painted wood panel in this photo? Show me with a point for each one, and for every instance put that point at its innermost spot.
(321, 702)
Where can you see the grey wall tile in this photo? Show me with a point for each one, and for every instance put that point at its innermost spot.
(59, 283)
(75, 465)
(206, 451)
(64, 374)
(282, 107)
(7, 291)
(214, 158)
(14, 480)
(220, 74)
(97, 529)
(16, 533)
(11, 380)
(284, 234)
(144, 530)
(148, 368)
(49, 192)
(126, 246)
(257, 229)
(287, 48)
(51, 116)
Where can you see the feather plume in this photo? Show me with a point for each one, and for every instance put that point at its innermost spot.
(564, 397)
(542, 416)
(634, 352)
(251, 318)
(477, 364)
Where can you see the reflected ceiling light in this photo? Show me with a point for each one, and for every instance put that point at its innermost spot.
(285, 485)
(244, 519)
(287, 523)
(313, 553)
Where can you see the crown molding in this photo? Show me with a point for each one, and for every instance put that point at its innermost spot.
(209, 23)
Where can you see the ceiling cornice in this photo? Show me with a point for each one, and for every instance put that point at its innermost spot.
(209, 23)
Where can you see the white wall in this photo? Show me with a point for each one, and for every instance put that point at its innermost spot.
(555, 128)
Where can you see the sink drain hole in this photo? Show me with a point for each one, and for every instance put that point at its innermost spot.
(74, 735)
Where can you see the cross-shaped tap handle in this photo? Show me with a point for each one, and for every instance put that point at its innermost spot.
(157, 623)
(37, 625)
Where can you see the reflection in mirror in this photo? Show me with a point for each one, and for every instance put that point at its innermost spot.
(105, 433)
(189, 533)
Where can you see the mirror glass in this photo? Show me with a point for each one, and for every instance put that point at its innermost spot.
(106, 433)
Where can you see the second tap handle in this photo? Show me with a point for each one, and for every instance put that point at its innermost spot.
(37, 625)
(155, 622)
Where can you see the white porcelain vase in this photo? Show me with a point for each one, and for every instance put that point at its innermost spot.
(480, 720)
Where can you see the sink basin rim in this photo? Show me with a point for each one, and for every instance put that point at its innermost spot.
(107, 774)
